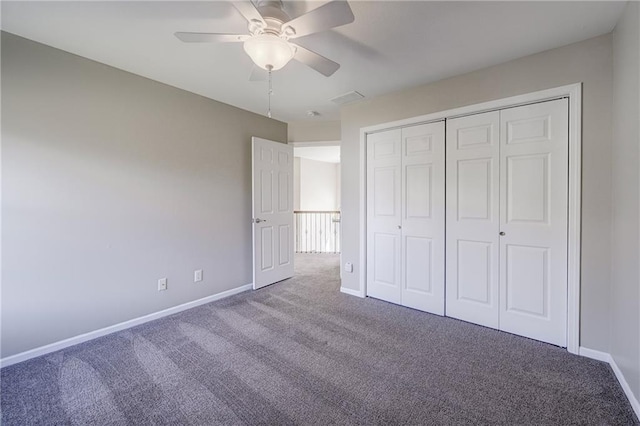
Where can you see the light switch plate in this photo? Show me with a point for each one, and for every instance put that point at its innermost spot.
(348, 267)
(197, 276)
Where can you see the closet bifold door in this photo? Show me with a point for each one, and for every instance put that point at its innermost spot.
(507, 207)
(473, 149)
(405, 216)
(534, 156)
(423, 217)
(384, 216)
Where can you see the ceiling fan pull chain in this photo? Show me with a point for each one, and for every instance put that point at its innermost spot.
(270, 92)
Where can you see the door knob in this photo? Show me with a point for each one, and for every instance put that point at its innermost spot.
(399, 226)
(258, 220)
(502, 234)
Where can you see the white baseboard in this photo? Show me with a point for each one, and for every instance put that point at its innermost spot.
(56, 346)
(351, 292)
(593, 354)
(625, 386)
(606, 357)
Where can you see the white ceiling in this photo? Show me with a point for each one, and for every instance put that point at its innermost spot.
(392, 45)
(328, 154)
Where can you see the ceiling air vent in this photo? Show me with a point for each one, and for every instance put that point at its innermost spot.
(347, 98)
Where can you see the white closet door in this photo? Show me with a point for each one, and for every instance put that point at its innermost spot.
(533, 218)
(472, 218)
(423, 217)
(384, 215)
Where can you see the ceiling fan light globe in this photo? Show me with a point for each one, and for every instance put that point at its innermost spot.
(269, 51)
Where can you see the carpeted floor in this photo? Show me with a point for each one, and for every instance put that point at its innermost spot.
(300, 352)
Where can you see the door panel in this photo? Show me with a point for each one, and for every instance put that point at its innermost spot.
(266, 188)
(474, 270)
(474, 134)
(418, 191)
(268, 256)
(474, 191)
(423, 217)
(418, 264)
(285, 250)
(528, 130)
(284, 203)
(384, 216)
(528, 188)
(533, 209)
(272, 207)
(385, 194)
(527, 282)
(472, 218)
(386, 259)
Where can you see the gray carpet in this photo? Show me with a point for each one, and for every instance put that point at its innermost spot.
(300, 352)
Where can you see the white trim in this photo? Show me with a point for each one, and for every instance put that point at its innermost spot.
(606, 357)
(319, 143)
(593, 354)
(574, 93)
(351, 292)
(363, 214)
(625, 387)
(56, 346)
(574, 216)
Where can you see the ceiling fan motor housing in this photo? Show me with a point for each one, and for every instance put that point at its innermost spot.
(274, 16)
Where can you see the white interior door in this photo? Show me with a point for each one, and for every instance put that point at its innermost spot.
(272, 212)
(423, 217)
(384, 216)
(472, 218)
(534, 158)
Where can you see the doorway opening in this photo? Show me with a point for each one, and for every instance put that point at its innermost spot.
(316, 201)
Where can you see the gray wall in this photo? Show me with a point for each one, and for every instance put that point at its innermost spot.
(589, 62)
(625, 252)
(313, 131)
(111, 181)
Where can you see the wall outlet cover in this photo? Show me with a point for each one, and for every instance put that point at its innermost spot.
(162, 284)
(348, 267)
(197, 275)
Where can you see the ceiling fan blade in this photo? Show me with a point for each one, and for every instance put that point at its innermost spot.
(211, 37)
(248, 10)
(258, 74)
(329, 15)
(318, 62)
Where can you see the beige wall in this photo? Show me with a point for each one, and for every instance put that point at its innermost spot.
(296, 183)
(314, 131)
(625, 250)
(318, 185)
(111, 181)
(589, 62)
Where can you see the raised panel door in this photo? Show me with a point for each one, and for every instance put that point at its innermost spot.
(384, 219)
(472, 218)
(423, 217)
(272, 206)
(533, 210)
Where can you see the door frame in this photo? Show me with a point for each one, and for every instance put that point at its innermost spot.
(574, 94)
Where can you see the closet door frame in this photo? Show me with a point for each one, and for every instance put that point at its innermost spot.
(574, 94)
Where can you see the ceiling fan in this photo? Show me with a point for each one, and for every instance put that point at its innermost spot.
(271, 29)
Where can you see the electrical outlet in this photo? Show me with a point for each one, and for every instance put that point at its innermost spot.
(197, 276)
(162, 284)
(348, 267)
